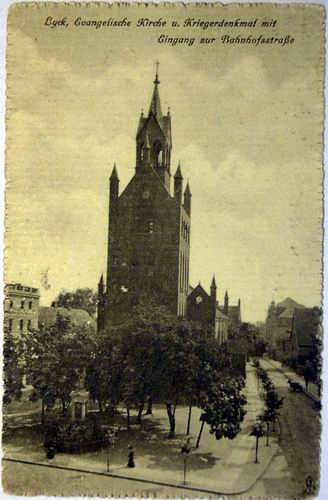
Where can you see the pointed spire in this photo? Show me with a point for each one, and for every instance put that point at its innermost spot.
(114, 173)
(178, 174)
(178, 185)
(156, 81)
(187, 190)
(101, 285)
(213, 290)
(113, 185)
(239, 303)
(226, 303)
(187, 199)
(155, 105)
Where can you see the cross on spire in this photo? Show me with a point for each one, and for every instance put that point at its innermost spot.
(157, 63)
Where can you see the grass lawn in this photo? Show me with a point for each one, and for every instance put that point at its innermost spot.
(22, 406)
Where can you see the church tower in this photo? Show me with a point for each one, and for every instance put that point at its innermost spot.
(148, 228)
(154, 141)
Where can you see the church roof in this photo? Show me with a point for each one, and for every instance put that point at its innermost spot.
(288, 313)
(289, 303)
(233, 312)
(219, 314)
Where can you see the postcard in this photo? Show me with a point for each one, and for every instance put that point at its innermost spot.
(163, 250)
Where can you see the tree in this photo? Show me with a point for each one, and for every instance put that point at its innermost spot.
(56, 357)
(81, 298)
(223, 408)
(13, 370)
(178, 367)
(212, 360)
(104, 378)
(248, 334)
(273, 402)
(258, 431)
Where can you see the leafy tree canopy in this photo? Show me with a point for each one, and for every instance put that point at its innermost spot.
(81, 298)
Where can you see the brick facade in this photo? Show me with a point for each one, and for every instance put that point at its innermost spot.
(149, 229)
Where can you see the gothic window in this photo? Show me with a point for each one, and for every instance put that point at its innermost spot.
(10, 325)
(142, 152)
(23, 304)
(29, 324)
(151, 227)
(158, 154)
(30, 304)
(11, 303)
(21, 324)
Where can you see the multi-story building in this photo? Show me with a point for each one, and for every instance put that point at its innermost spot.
(149, 228)
(305, 335)
(21, 308)
(279, 323)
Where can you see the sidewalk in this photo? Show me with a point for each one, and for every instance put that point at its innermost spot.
(311, 391)
(220, 467)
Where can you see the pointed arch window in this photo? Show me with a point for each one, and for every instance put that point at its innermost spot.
(158, 154)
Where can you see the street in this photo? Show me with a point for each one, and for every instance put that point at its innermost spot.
(29, 480)
(299, 442)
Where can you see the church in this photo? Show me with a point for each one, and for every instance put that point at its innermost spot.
(149, 227)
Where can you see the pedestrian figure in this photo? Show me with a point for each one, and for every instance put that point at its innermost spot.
(131, 457)
(51, 453)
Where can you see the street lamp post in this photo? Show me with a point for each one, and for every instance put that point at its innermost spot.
(185, 450)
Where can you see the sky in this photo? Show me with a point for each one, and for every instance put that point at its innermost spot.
(247, 129)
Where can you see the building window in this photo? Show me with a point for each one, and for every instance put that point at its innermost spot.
(10, 325)
(29, 324)
(30, 304)
(11, 304)
(22, 304)
(21, 324)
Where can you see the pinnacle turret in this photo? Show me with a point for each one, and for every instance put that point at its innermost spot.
(178, 174)
(187, 199)
(178, 185)
(114, 173)
(113, 184)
